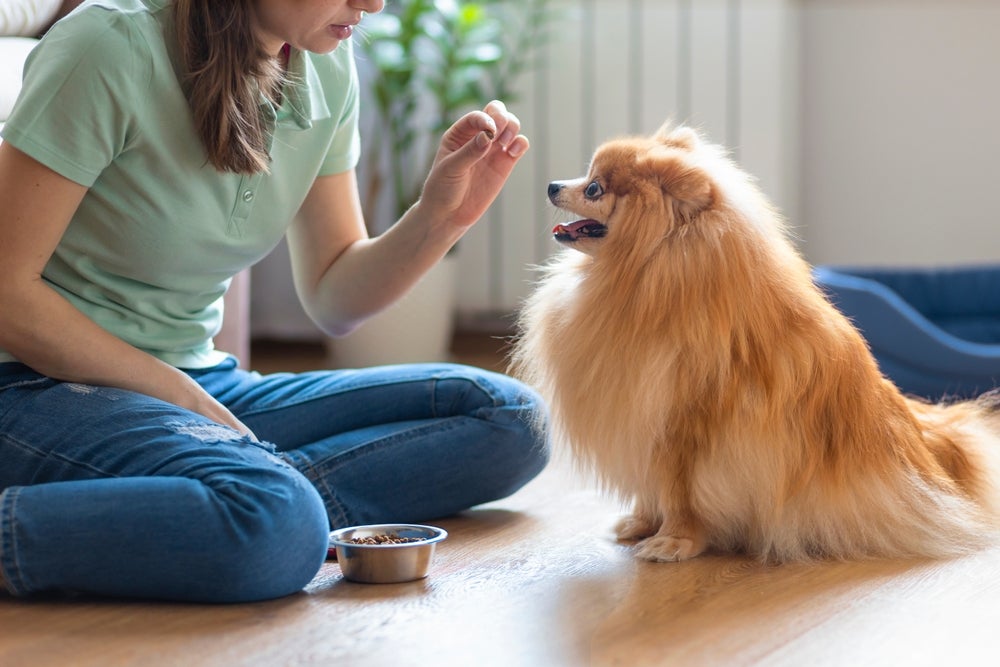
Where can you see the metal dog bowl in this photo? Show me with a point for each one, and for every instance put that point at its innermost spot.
(386, 562)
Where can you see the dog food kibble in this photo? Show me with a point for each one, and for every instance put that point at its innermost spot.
(384, 539)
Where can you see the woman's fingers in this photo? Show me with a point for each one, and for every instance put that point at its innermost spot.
(508, 125)
(493, 125)
(518, 146)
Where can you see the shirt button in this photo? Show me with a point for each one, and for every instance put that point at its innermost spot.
(248, 196)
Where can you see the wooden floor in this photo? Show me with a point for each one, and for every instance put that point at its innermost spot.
(538, 580)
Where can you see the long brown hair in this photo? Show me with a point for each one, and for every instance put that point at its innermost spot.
(225, 71)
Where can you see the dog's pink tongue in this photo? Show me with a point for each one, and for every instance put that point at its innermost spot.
(571, 229)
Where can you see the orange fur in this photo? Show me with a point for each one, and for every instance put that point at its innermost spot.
(692, 364)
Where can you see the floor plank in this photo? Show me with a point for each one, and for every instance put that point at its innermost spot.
(477, 349)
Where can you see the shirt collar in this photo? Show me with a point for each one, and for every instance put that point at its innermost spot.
(296, 103)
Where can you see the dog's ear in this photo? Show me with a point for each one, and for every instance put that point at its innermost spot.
(688, 186)
(682, 137)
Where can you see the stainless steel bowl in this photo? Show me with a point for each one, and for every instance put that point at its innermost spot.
(386, 563)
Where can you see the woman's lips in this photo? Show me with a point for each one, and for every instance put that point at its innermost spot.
(342, 31)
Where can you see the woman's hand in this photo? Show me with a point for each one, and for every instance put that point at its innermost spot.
(196, 399)
(342, 277)
(473, 161)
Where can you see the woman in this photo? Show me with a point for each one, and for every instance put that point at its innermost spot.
(158, 148)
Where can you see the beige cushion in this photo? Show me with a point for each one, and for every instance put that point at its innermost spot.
(13, 52)
(27, 17)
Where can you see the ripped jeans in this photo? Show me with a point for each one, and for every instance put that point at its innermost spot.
(110, 492)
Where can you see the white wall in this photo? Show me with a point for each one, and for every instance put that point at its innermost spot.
(901, 131)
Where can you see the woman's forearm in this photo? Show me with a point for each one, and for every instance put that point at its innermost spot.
(35, 326)
(370, 274)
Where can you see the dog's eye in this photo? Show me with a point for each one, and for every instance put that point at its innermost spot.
(593, 191)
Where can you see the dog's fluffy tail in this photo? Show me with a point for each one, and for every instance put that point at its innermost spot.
(944, 498)
(964, 439)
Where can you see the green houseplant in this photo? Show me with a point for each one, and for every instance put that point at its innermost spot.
(424, 63)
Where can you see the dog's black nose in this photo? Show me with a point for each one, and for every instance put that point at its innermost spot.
(554, 189)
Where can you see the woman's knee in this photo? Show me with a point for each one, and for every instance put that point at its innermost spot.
(480, 390)
(524, 412)
(520, 429)
(278, 534)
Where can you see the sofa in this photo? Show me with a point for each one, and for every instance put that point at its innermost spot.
(13, 52)
(935, 332)
(21, 22)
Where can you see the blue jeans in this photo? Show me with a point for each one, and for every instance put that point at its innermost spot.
(111, 492)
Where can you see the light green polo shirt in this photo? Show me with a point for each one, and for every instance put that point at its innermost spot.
(160, 232)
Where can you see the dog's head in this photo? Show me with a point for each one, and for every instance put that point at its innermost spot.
(663, 178)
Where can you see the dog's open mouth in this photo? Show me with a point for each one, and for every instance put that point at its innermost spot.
(573, 231)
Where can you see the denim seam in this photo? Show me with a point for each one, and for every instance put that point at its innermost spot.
(493, 396)
(287, 404)
(329, 497)
(56, 457)
(316, 472)
(308, 399)
(24, 383)
(377, 445)
(8, 543)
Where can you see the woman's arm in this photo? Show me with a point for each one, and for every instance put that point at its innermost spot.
(343, 277)
(41, 328)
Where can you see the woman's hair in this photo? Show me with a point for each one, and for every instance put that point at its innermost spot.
(225, 72)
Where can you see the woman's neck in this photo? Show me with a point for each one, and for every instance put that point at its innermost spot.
(283, 56)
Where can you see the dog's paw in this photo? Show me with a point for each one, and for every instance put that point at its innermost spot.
(635, 527)
(668, 549)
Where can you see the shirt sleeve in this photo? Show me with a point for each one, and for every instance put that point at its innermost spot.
(77, 108)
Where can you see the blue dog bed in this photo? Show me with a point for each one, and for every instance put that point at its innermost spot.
(934, 332)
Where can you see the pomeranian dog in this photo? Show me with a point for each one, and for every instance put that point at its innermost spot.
(692, 364)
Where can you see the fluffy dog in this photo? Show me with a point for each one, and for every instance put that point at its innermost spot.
(691, 363)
